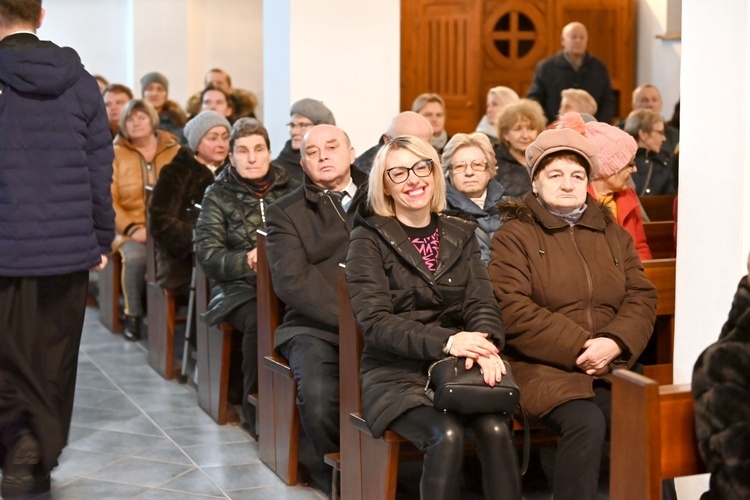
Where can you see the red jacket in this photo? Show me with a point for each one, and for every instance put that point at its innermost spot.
(629, 216)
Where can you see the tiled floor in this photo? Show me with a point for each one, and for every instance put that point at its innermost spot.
(136, 435)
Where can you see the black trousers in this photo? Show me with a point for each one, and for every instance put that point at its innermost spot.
(583, 425)
(441, 436)
(41, 320)
(245, 319)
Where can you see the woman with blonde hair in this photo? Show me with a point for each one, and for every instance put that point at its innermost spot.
(432, 107)
(517, 127)
(420, 292)
(497, 99)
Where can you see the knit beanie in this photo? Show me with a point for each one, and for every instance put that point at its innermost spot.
(152, 77)
(316, 111)
(200, 124)
(554, 140)
(614, 147)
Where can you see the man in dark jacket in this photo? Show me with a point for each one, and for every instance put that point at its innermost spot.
(406, 123)
(573, 67)
(304, 115)
(56, 223)
(308, 236)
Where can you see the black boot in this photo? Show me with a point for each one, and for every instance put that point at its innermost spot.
(20, 464)
(133, 328)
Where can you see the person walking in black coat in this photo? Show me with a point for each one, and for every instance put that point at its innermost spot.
(56, 223)
(420, 292)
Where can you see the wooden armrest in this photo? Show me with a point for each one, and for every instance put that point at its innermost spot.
(278, 365)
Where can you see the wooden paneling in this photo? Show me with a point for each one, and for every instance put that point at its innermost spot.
(461, 48)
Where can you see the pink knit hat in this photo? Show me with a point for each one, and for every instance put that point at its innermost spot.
(614, 147)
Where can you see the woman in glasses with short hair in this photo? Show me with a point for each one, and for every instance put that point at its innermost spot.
(420, 292)
(470, 167)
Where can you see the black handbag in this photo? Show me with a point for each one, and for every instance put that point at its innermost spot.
(453, 388)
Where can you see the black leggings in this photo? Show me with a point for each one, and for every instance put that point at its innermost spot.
(441, 437)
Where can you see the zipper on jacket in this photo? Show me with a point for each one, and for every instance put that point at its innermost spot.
(589, 281)
(333, 203)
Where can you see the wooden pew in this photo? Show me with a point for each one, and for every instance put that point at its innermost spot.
(162, 319)
(653, 436)
(661, 272)
(278, 417)
(110, 292)
(213, 346)
(658, 208)
(660, 237)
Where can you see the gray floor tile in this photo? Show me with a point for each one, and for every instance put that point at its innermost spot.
(140, 472)
(162, 494)
(165, 402)
(211, 455)
(81, 463)
(116, 443)
(165, 452)
(103, 418)
(189, 417)
(79, 432)
(104, 399)
(93, 379)
(193, 481)
(277, 493)
(153, 385)
(237, 477)
(93, 488)
(207, 434)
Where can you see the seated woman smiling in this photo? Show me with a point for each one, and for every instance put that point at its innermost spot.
(420, 292)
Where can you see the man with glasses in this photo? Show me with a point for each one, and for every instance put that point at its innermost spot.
(406, 123)
(308, 236)
(305, 114)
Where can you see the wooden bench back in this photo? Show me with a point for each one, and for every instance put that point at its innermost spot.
(660, 237)
(661, 272)
(653, 436)
(658, 208)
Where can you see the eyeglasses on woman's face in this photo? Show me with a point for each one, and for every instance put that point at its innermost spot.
(398, 175)
(476, 165)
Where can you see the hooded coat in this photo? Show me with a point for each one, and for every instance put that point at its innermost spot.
(227, 229)
(559, 285)
(406, 312)
(513, 176)
(56, 212)
(721, 386)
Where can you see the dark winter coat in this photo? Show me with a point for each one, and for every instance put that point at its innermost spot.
(559, 285)
(364, 161)
(289, 160)
(308, 235)
(488, 217)
(56, 155)
(406, 313)
(226, 231)
(171, 216)
(513, 176)
(721, 386)
(555, 74)
(655, 174)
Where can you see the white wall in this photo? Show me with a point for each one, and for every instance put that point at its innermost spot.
(125, 39)
(658, 61)
(324, 50)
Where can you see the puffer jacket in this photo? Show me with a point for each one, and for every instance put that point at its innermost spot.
(226, 230)
(559, 285)
(721, 386)
(488, 217)
(406, 313)
(56, 212)
(513, 176)
(171, 215)
(128, 185)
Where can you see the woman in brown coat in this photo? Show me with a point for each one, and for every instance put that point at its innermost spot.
(140, 152)
(575, 304)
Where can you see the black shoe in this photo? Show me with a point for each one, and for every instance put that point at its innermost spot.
(133, 328)
(20, 465)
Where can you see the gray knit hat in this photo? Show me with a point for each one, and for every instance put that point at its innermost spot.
(152, 77)
(199, 126)
(314, 110)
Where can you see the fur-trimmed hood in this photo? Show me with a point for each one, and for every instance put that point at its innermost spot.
(529, 210)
